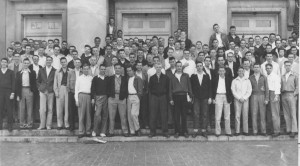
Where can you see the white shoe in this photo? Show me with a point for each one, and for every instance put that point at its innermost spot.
(93, 134)
(102, 135)
(48, 128)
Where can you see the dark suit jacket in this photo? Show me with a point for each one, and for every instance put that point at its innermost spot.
(235, 68)
(45, 83)
(169, 73)
(18, 84)
(236, 40)
(188, 43)
(114, 32)
(30, 67)
(227, 70)
(123, 88)
(202, 91)
(215, 83)
(138, 85)
(211, 72)
(223, 37)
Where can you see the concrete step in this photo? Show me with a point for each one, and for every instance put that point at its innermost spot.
(75, 139)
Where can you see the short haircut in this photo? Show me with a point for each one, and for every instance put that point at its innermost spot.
(56, 46)
(170, 49)
(155, 57)
(9, 48)
(88, 46)
(17, 43)
(74, 51)
(171, 58)
(120, 50)
(232, 27)
(25, 39)
(26, 59)
(85, 65)
(221, 67)
(102, 65)
(199, 62)
(77, 59)
(208, 57)
(117, 64)
(186, 50)
(132, 67)
(256, 64)
(178, 62)
(49, 57)
(215, 25)
(27, 45)
(63, 58)
(268, 64)
(97, 38)
(248, 52)
(287, 62)
(4, 59)
(35, 56)
(240, 68)
(293, 47)
(268, 45)
(201, 52)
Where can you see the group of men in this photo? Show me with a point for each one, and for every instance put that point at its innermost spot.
(150, 84)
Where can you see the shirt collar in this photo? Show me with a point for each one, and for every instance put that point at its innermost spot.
(99, 76)
(61, 70)
(25, 70)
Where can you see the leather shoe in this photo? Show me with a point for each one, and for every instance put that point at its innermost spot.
(176, 135)
(194, 135)
(217, 135)
(126, 135)
(41, 128)
(138, 133)
(151, 135)
(275, 135)
(236, 134)
(229, 135)
(186, 135)
(59, 128)
(245, 134)
(110, 135)
(292, 135)
(204, 134)
(80, 135)
(166, 135)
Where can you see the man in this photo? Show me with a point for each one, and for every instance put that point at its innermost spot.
(42, 57)
(232, 37)
(133, 60)
(201, 86)
(108, 56)
(117, 94)
(83, 101)
(27, 53)
(275, 66)
(231, 48)
(56, 57)
(71, 64)
(56, 42)
(189, 65)
(135, 91)
(110, 71)
(290, 90)
(120, 43)
(45, 83)
(213, 59)
(169, 54)
(274, 85)
(233, 66)
(49, 50)
(94, 68)
(221, 63)
(221, 37)
(86, 55)
(294, 67)
(99, 95)
(272, 38)
(25, 86)
(170, 73)
(243, 48)
(257, 42)
(250, 42)
(73, 75)
(151, 71)
(178, 53)
(158, 89)
(7, 93)
(97, 42)
(261, 50)
(249, 56)
(275, 51)
(237, 55)
(9, 54)
(61, 94)
(180, 92)
(144, 113)
(171, 42)
(259, 99)
(64, 48)
(241, 89)
(281, 59)
(122, 60)
(111, 28)
(247, 71)
(99, 58)
(18, 48)
(183, 38)
(222, 97)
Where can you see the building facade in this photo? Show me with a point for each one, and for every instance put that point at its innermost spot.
(79, 21)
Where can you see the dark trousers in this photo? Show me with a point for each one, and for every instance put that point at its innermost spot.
(211, 115)
(73, 110)
(36, 106)
(158, 105)
(144, 113)
(200, 108)
(6, 104)
(180, 102)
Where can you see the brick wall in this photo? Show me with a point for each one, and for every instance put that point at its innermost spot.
(182, 15)
(296, 20)
(111, 8)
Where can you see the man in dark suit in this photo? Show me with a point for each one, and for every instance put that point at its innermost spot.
(170, 73)
(201, 86)
(222, 97)
(45, 83)
(25, 86)
(171, 42)
(233, 66)
(36, 96)
(221, 63)
(261, 51)
(97, 42)
(7, 93)
(218, 35)
(183, 38)
(158, 87)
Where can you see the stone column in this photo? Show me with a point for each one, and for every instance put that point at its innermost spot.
(86, 20)
(3, 29)
(201, 17)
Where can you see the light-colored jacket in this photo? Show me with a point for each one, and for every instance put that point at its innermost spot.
(241, 88)
(291, 84)
(57, 80)
(71, 80)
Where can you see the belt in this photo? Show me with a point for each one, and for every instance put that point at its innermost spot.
(63, 85)
(25, 86)
(84, 93)
(288, 92)
(132, 94)
(221, 93)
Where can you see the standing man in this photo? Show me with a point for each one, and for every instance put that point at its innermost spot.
(83, 101)
(158, 87)
(180, 92)
(7, 93)
(232, 37)
(135, 91)
(201, 86)
(259, 99)
(241, 90)
(45, 83)
(290, 90)
(61, 94)
(25, 86)
(222, 96)
(99, 95)
(73, 75)
(189, 66)
(170, 73)
(117, 94)
(274, 92)
(233, 66)
(275, 66)
(56, 57)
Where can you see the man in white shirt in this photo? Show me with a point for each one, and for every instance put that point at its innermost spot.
(94, 68)
(170, 54)
(178, 53)
(83, 101)
(56, 57)
(152, 70)
(49, 51)
(247, 71)
(241, 90)
(274, 92)
(275, 66)
(189, 66)
(27, 53)
(294, 67)
(281, 59)
(42, 57)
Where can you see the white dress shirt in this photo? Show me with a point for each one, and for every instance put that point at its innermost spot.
(200, 77)
(36, 68)
(246, 73)
(241, 88)
(131, 89)
(208, 72)
(287, 75)
(139, 74)
(83, 84)
(275, 70)
(218, 36)
(221, 85)
(295, 68)
(56, 61)
(42, 61)
(178, 76)
(191, 68)
(48, 70)
(25, 77)
(93, 69)
(77, 72)
(274, 83)
(3, 70)
(230, 65)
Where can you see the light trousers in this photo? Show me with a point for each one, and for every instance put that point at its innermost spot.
(26, 106)
(133, 109)
(289, 111)
(46, 101)
(241, 108)
(62, 107)
(221, 103)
